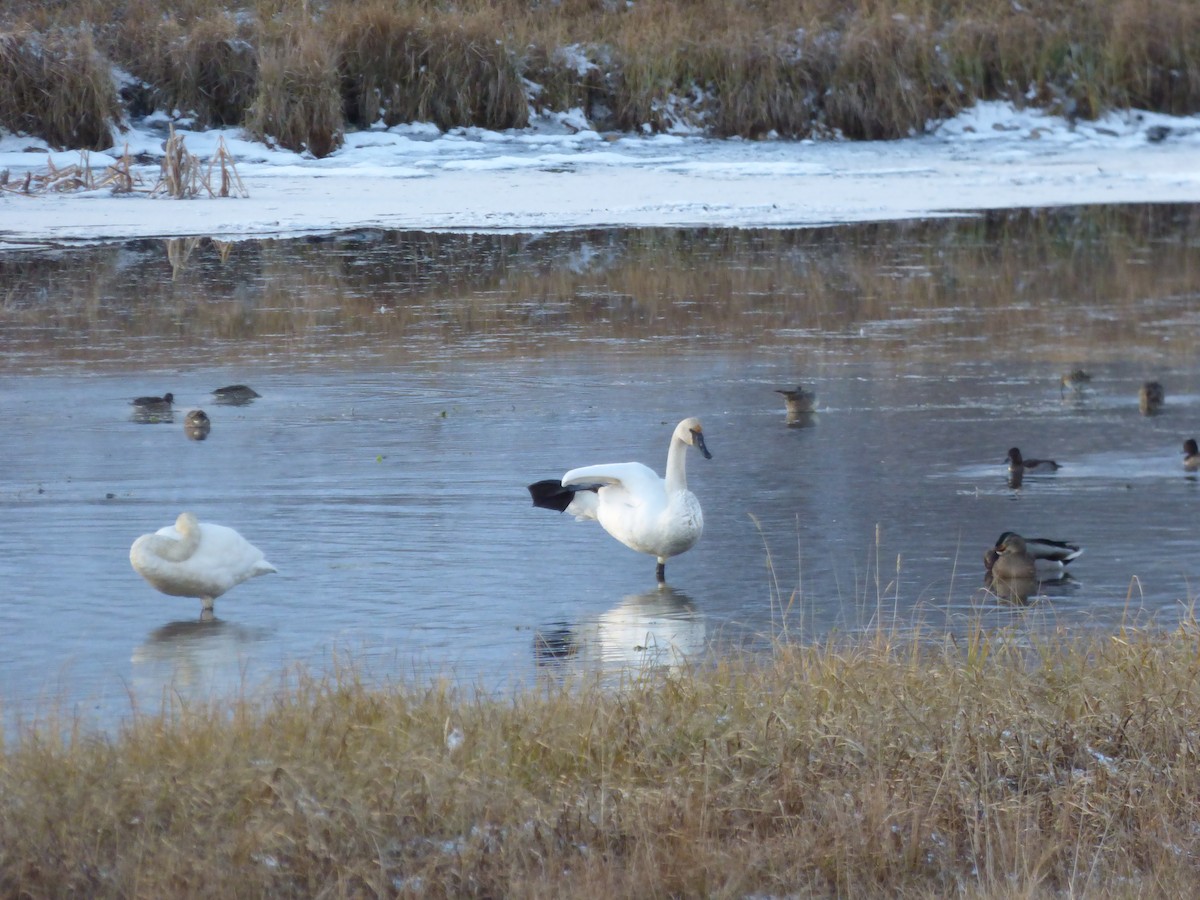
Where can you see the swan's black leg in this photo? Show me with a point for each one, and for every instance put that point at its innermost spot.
(660, 572)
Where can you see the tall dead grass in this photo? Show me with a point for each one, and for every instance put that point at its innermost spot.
(999, 764)
(57, 85)
(298, 104)
(861, 69)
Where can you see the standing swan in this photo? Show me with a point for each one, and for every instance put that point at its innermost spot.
(654, 515)
(196, 559)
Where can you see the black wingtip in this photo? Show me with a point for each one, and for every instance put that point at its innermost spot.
(550, 494)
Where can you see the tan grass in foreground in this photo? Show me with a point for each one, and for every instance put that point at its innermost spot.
(869, 766)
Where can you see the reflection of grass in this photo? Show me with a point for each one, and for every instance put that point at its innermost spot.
(1002, 766)
(1063, 286)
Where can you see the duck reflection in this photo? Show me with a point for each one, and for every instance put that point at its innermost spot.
(657, 629)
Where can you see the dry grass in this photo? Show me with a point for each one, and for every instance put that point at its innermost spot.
(999, 765)
(298, 104)
(58, 86)
(301, 71)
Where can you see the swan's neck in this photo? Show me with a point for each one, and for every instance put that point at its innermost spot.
(174, 550)
(676, 477)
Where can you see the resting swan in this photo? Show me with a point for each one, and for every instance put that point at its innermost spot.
(654, 515)
(196, 559)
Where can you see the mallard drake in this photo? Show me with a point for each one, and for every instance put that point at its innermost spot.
(1191, 455)
(197, 424)
(1044, 551)
(1017, 463)
(1150, 397)
(643, 511)
(196, 559)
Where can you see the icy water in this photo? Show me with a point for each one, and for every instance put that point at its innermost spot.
(413, 384)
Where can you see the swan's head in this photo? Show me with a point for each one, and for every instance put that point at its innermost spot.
(186, 524)
(1014, 456)
(1190, 448)
(691, 432)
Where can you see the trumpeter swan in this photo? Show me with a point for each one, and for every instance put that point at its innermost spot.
(654, 515)
(196, 559)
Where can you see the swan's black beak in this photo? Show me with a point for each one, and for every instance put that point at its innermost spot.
(698, 443)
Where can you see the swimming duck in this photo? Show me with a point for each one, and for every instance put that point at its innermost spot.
(235, 394)
(197, 424)
(1191, 455)
(1051, 554)
(1018, 464)
(196, 559)
(1151, 397)
(799, 401)
(1074, 381)
(643, 511)
(1013, 559)
(153, 404)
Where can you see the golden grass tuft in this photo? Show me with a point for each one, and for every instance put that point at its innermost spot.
(298, 105)
(860, 68)
(997, 764)
(58, 86)
(399, 65)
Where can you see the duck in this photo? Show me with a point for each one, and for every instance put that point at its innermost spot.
(1018, 464)
(1151, 397)
(235, 394)
(798, 400)
(645, 512)
(196, 559)
(1191, 456)
(1013, 561)
(1045, 552)
(153, 404)
(1074, 381)
(197, 424)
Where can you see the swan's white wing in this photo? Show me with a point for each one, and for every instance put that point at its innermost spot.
(223, 550)
(638, 482)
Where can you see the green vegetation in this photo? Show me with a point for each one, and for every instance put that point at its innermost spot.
(298, 72)
(997, 765)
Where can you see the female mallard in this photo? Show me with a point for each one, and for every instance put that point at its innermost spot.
(1018, 464)
(153, 404)
(196, 559)
(1150, 397)
(1191, 455)
(235, 394)
(654, 515)
(197, 424)
(798, 401)
(1074, 381)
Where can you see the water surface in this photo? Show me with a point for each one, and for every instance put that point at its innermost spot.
(413, 384)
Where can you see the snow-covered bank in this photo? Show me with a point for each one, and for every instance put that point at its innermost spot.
(561, 175)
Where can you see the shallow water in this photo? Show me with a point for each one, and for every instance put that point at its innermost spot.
(416, 384)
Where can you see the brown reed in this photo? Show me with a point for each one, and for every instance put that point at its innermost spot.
(302, 72)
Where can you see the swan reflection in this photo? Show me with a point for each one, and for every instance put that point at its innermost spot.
(658, 629)
(194, 655)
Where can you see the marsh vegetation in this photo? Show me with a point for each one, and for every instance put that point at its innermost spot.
(994, 766)
(300, 73)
